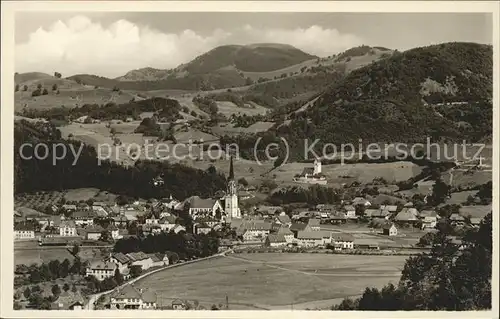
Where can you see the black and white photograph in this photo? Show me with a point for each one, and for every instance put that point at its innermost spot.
(218, 156)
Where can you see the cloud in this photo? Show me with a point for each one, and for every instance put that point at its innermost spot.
(80, 45)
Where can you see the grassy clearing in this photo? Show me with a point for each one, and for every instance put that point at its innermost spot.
(274, 281)
(79, 194)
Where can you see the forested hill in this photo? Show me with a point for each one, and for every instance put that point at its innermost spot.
(406, 98)
(33, 175)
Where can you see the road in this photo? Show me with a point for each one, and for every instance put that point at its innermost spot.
(93, 298)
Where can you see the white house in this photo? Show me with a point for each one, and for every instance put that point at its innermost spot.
(101, 270)
(23, 232)
(159, 260)
(343, 241)
(140, 259)
(67, 228)
(428, 218)
(255, 230)
(390, 230)
(287, 233)
(314, 224)
(167, 223)
(84, 217)
(129, 297)
(314, 238)
(350, 212)
(121, 260)
(94, 233)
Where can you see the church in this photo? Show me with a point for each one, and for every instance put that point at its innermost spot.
(311, 175)
(231, 207)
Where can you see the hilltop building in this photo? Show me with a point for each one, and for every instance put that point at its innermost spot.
(311, 175)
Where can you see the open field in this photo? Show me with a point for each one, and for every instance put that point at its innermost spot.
(274, 280)
(229, 108)
(229, 128)
(347, 173)
(79, 194)
(29, 252)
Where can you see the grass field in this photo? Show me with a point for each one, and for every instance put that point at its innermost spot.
(79, 194)
(274, 280)
(28, 252)
(347, 173)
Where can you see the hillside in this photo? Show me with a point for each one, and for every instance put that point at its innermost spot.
(399, 99)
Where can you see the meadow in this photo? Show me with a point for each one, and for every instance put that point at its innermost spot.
(274, 280)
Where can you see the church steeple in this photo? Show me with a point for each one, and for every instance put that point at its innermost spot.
(231, 170)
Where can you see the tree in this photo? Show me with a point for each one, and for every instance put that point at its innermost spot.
(45, 92)
(118, 277)
(54, 87)
(75, 250)
(243, 181)
(36, 92)
(56, 290)
(25, 88)
(57, 75)
(66, 287)
(16, 88)
(440, 191)
(27, 292)
(112, 131)
(39, 86)
(135, 271)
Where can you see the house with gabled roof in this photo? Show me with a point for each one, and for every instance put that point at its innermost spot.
(275, 240)
(343, 241)
(84, 217)
(407, 215)
(120, 259)
(129, 297)
(101, 269)
(314, 238)
(203, 206)
(68, 300)
(23, 231)
(67, 228)
(390, 229)
(314, 224)
(140, 259)
(295, 228)
(287, 233)
(429, 218)
(283, 219)
(350, 211)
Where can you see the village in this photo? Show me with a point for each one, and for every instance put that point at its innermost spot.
(350, 226)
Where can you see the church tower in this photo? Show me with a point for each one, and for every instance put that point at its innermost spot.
(231, 207)
(317, 167)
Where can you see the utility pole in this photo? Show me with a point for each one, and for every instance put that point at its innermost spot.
(227, 302)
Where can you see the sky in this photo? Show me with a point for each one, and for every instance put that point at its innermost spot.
(112, 43)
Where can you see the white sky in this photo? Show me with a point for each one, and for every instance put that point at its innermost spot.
(111, 44)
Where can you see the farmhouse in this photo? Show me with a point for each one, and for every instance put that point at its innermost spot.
(457, 220)
(255, 230)
(343, 241)
(121, 260)
(120, 220)
(140, 259)
(350, 212)
(94, 232)
(69, 208)
(84, 217)
(128, 297)
(179, 305)
(407, 216)
(101, 270)
(314, 223)
(167, 223)
(389, 208)
(67, 228)
(314, 238)
(287, 233)
(390, 230)
(68, 300)
(202, 228)
(23, 231)
(159, 260)
(428, 218)
(275, 240)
